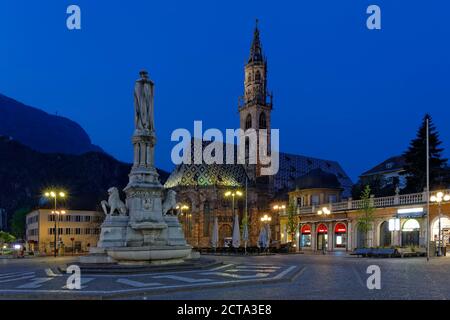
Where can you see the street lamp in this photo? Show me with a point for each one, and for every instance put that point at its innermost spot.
(233, 194)
(55, 195)
(324, 211)
(266, 218)
(279, 207)
(439, 198)
(182, 207)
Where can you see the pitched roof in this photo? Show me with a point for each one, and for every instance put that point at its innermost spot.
(390, 165)
(317, 178)
(294, 166)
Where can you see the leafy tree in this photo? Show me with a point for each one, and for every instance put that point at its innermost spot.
(18, 222)
(415, 159)
(365, 221)
(5, 237)
(292, 222)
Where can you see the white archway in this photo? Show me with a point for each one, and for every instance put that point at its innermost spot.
(445, 227)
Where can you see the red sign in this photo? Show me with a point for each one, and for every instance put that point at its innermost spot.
(340, 228)
(306, 229)
(322, 229)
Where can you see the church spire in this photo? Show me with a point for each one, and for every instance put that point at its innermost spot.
(256, 48)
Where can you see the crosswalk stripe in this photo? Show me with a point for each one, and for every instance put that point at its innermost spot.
(236, 276)
(84, 280)
(17, 279)
(12, 273)
(221, 267)
(50, 273)
(17, 275)
(35, 283)
(257, 267)
(251, 270)
(137, 284)
(184, 279)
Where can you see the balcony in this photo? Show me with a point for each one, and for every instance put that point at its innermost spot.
(382, 202)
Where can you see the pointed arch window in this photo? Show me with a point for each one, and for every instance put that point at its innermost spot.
(262, 121)
(248, 122)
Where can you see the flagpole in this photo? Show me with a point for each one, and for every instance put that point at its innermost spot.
(428, 191)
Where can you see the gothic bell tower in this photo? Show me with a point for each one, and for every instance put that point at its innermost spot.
(255, 105)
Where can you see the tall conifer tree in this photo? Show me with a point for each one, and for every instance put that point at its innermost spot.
(415, 159)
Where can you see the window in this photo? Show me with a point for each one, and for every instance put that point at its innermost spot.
(51, 217)
(248, 122)
(77, 218)
(87, 231)
(332, 198)
(51, 231)
(67, 230)
(68, 218)
(315, 200)
(87, 218)
(262, 121)
(77, 230)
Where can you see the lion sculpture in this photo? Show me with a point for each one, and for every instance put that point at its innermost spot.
(170, 202)
(114, 203)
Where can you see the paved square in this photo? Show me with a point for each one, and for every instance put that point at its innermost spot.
(301, 276)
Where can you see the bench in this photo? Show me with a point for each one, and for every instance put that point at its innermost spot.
(375, 252)
(363, 252)
(383, 252)
(406, 252)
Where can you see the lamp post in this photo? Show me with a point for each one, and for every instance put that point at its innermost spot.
(280, 208)
(266, 220)
(182, 207)
(72, 239)
(233, 194)
(55, 195)
(439, 198)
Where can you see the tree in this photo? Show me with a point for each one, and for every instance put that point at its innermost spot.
(5, 237)
(292, 222)
(365, 221)
(18, 222)
(415, 159)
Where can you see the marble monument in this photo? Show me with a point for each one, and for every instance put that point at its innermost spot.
(144, 229)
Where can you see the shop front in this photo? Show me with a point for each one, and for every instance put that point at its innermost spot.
(340, 236)
(411, 233)
(322, 237)
(305, 236)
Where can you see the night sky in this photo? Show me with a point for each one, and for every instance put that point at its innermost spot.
(341, 91)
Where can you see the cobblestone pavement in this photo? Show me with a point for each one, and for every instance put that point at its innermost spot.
(301, 276)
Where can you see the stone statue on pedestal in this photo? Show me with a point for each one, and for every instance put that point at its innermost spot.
(147, 234)
(143, 103)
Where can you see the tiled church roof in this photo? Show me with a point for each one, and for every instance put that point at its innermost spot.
(294, 166)
(291, 167)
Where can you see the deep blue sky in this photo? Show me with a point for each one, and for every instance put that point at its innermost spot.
(341, 92)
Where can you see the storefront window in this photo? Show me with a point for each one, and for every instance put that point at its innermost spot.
(305, 239)
(340, 235)
(410, 233)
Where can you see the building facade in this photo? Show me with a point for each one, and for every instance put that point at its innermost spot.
(398, 220)
(76, 230)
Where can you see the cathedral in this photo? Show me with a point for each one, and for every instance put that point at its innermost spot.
(206, 191)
